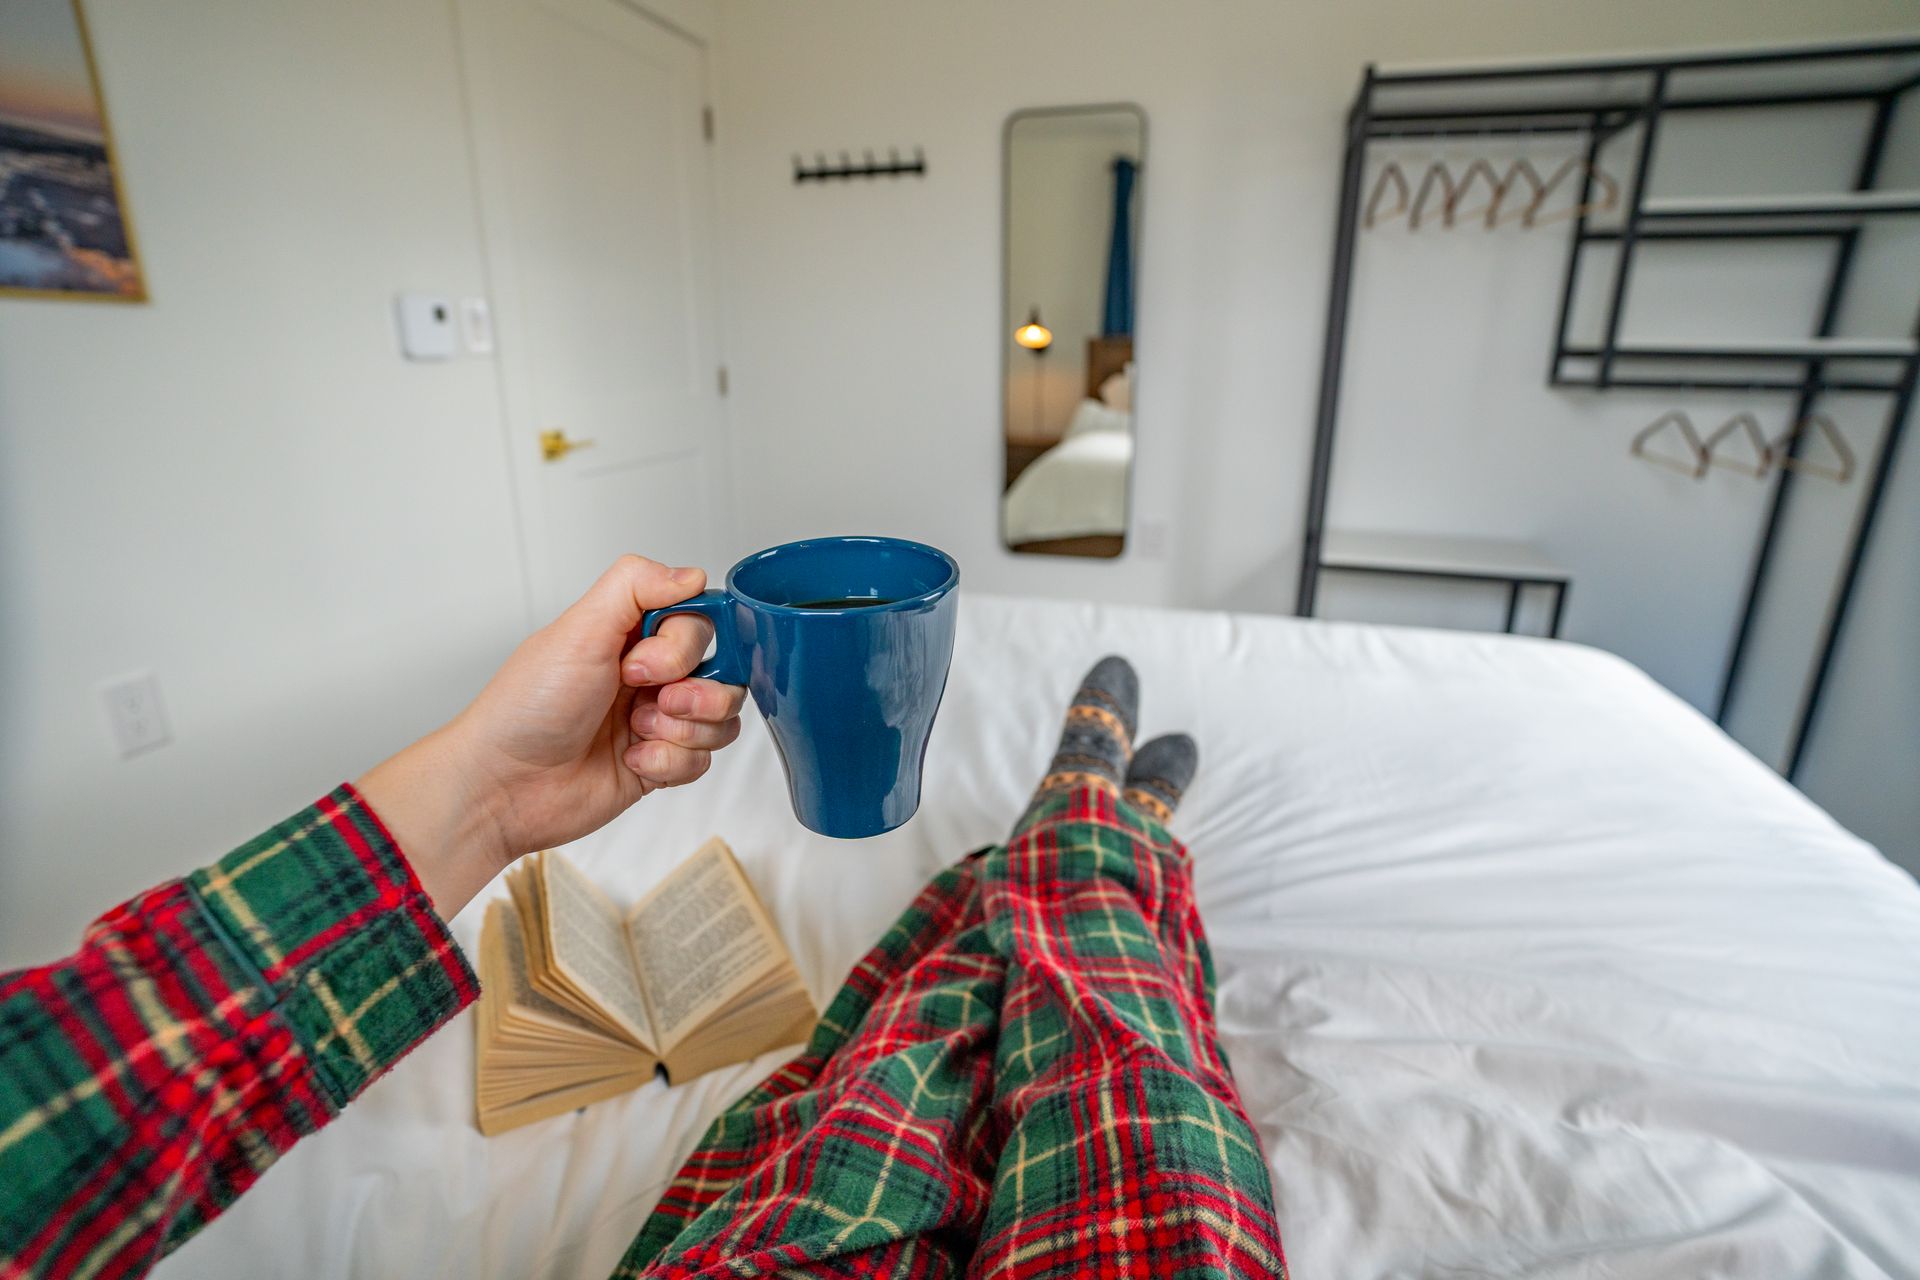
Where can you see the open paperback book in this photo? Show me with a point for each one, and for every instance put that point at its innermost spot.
(580, 1002)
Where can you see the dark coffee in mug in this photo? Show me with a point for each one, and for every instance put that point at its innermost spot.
(845, 602)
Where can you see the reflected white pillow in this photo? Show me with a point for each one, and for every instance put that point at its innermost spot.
(1117, 391)
(1091, 415)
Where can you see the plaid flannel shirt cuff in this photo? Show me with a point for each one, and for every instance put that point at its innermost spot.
(324, 912)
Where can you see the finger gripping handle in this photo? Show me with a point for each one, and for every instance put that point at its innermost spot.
(717, 607)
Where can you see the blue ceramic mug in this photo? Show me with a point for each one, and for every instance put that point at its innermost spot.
(844, 644)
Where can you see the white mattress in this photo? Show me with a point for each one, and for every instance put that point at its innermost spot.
(1525, 969)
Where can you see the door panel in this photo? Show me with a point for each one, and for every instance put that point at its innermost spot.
(596, 199)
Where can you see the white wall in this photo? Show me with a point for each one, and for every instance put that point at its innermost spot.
(864, 328)
(241, 485)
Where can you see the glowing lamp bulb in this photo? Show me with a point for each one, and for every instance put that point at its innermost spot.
(1033, 335)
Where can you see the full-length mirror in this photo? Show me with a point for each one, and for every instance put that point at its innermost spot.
(1072, 256)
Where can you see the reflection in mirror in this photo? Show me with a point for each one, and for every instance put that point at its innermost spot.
(1072, 225)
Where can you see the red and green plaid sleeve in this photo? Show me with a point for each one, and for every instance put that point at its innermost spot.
(202, 1029)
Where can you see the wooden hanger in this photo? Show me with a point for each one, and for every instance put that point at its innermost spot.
(1782, 449)
(1436, 172)
(1389, 170)
(1696, 451)
(1609, 200)
(1763, 452)
(1494, 188)
(1521, 168)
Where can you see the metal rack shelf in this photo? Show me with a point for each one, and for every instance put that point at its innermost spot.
(1606, 99)
(1514, 565)
(1776, 350)
(1850, 204)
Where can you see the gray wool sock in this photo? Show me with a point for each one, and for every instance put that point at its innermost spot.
(1160, 774)
(1097, 739)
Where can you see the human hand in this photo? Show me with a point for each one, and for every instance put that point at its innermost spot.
(580, 722)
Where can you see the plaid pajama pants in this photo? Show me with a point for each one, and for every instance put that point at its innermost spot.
(1022, 1079)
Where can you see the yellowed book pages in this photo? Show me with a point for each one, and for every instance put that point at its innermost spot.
(701, 1053)
(699, 940)
(574, 995)
(526, 1028)
(526, 910)
(539, 1107)
(524, 1003)
(525, 883)
(588, 946)
(533, 1058)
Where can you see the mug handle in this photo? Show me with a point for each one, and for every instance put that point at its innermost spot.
(717, 607)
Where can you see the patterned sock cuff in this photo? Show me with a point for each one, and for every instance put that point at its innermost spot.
(1160, 773)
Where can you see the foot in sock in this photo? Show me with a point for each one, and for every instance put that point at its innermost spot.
(1160, 773)
(1096, 741)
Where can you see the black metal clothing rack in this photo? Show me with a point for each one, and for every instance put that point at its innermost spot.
(1601, 98)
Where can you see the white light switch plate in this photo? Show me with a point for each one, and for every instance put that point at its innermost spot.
(427, 330)
(476, 321)
(134, 715)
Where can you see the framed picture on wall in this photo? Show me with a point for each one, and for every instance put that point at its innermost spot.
(64, 228)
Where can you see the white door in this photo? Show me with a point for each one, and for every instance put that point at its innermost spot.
(588, 121)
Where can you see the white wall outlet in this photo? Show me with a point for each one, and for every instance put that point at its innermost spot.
(426, 326)
(476, 325)
(134, 715)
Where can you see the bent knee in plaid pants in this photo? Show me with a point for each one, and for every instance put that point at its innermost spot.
(1022, 1079)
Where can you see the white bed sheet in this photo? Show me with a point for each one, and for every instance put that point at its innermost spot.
(1076, 489)
(1525, 969)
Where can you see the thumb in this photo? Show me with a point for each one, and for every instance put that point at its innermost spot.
(609, 612)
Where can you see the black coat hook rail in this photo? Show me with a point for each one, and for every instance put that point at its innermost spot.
(848, 169)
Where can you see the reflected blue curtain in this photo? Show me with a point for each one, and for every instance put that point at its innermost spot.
(1119, 312)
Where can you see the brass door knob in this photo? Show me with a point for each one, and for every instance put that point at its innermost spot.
(554, 444)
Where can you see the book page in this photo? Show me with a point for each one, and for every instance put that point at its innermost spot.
(700, 939)
(589, 946)
(515, 986)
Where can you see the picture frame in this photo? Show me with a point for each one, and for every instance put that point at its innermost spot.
(65, 228)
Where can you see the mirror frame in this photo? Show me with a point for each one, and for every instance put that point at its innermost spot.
(1006, 293)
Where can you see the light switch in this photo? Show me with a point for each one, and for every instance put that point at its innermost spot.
(427, 330)
(134, 715)
(476, 318)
